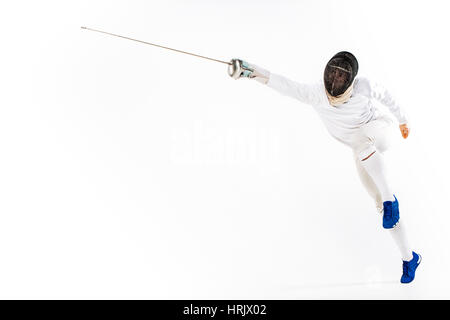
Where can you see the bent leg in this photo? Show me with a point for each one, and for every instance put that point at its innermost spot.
(373, 139)
(368, 145)
(375, 166)
(369, 185)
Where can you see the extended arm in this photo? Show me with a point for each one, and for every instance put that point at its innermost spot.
(306, 93)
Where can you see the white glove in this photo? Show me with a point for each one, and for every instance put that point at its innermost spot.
(242, 69)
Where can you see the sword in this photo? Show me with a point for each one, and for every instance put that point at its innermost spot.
(157, 45)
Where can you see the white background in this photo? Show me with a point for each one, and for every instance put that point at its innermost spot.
(131, 172)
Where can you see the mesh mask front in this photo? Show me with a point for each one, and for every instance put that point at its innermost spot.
(339, 73)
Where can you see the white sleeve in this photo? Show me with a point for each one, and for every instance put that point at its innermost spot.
(385, 97)
(306, 93)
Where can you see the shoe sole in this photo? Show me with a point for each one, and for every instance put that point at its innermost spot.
(392, 226)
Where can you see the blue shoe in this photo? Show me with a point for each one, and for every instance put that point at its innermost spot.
(391, 215)
(409, 268)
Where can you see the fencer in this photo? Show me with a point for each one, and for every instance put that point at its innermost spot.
(344, 103)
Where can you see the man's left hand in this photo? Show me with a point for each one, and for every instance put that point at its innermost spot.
(404, 129)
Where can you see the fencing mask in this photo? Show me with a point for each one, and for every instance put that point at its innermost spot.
(339, 73)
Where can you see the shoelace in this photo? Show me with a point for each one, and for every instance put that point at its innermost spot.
(405, 268)
(388, 212)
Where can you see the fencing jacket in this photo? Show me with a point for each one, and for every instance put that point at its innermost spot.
(343, 120)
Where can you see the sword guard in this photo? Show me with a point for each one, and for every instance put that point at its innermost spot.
(238, 68)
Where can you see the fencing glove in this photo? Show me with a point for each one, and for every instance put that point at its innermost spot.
(242, 69)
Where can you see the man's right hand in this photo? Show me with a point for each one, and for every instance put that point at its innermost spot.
(242, 69)
(239, 69)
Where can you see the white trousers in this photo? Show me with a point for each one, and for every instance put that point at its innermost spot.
(373, 136)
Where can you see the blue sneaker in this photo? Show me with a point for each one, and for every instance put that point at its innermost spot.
(409, 268)
(391, 215)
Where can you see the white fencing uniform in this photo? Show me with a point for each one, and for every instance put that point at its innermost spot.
(358, 124)
(342, 121)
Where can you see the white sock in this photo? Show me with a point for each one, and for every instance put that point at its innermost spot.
(399, 235)
(376, 169)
